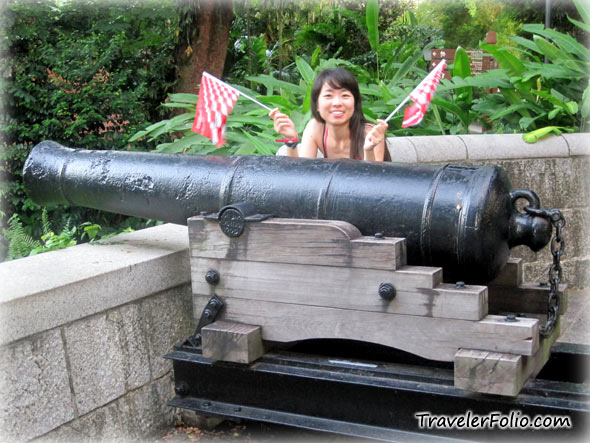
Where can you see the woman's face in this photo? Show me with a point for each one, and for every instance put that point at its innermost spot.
(335, 106)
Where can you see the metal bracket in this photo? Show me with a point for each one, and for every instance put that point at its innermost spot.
(233, 218)
(208, 316)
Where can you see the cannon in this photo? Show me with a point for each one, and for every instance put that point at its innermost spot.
(461, 218)
(287, 254)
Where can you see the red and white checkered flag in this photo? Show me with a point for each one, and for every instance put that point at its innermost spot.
(216, 100)
(422, 95)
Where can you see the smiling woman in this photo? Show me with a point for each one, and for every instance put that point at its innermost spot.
(339, 128)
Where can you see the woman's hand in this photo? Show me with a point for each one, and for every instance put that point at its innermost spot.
(375, 136)
(283, 124)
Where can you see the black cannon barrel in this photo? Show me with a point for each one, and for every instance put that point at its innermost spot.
(461, 218)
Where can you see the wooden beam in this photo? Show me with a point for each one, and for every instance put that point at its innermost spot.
(417, 288)
(489, 372)
(500, 373)
(233, 342)
(526, 298)
(314, 242)
(510, 274)
(432, 338)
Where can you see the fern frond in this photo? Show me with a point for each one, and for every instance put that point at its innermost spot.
(20, 244)
(45, 222)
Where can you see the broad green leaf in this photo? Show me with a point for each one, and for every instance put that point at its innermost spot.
(385, 94)
(584, 10)
(509, 110)
(315, 56)
(549, 50)
(564, 41)
(205, 149)
(305, 70)
(372, 18)
(184, 98)
(246, 149)
(579, 24)
(268, 80)
(405, 68)
(239, 120)
(181, 145)
(454, 109)
(306, 107)
(586, 103)
(299, 120)
(368, 90)
(514, 99)
(525, 122)
(525, 42)
(462, 64)
(147, 131)
(179, 105)
(261, 147)
(179, 123)
(506, 60)
(438, 119)
(549, 70)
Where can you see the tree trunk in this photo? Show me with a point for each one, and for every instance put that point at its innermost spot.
(205, 47)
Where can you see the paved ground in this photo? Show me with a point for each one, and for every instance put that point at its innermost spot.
(575, 328)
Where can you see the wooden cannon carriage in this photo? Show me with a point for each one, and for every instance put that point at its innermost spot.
(286, 280)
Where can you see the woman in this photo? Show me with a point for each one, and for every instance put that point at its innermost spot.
(339, 128)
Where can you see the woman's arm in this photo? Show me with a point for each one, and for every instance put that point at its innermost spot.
(374, 147)
(284, 126)
(308, 147)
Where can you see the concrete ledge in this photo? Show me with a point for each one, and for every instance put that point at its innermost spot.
(578, 143)
(437, 149)
(42, 292)
(476, 147)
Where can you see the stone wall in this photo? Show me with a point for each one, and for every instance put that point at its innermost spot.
(84, 329)
(83, 334)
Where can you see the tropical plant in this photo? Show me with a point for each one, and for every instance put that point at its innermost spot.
(535, 96)
(250, 131)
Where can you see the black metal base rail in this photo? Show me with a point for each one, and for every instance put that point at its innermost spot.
(398, 398)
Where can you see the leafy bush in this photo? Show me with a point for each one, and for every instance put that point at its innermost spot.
(534, 96)
(85, 74)
(81, 72)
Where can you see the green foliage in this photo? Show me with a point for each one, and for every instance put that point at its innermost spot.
(20, 244)
(83, 73)
(23, 244)
(553, 94)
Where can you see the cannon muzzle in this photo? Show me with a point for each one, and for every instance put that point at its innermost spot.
(462, 218)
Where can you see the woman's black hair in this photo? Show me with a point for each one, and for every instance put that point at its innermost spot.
(339, 78)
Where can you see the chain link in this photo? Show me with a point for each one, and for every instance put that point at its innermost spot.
(555, 272)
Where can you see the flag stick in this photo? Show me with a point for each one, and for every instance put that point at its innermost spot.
(239, 92)
(253, 99)
(397, 109)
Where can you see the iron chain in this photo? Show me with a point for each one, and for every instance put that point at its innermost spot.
(555, 272)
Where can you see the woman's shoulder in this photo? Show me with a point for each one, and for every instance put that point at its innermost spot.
(314, 130)
(315, 125)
